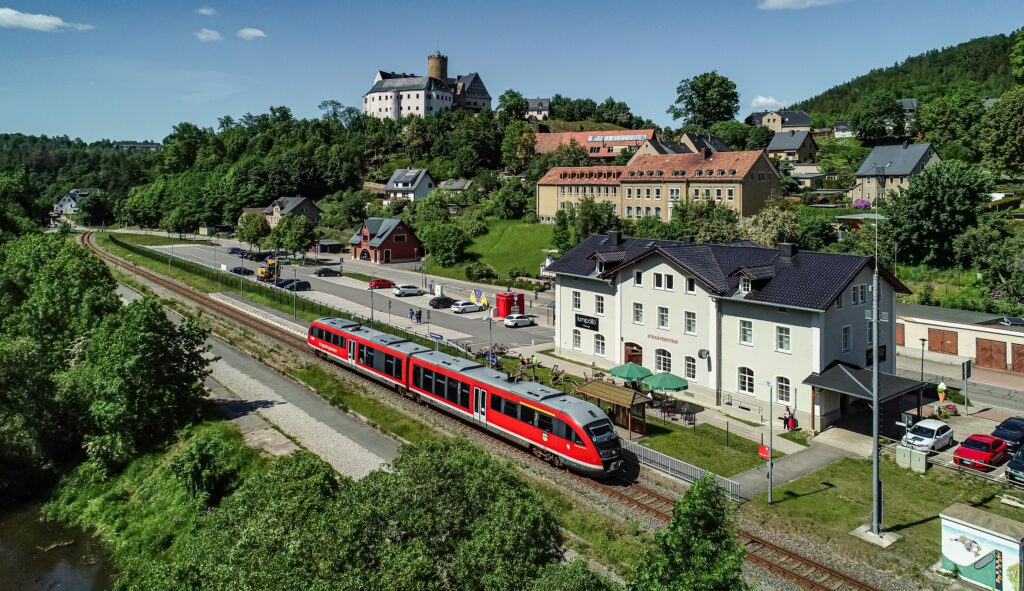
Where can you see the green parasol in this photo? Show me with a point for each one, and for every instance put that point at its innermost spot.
(630, 372)
(666, 382)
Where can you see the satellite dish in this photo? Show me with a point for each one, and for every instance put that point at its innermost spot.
(703, 353)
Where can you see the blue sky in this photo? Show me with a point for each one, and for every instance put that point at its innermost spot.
(125, 69)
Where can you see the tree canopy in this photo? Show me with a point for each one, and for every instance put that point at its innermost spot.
(877, 116)
(1002, 134)
(705, 100)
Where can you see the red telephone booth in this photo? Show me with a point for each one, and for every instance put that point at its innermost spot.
(509, 302)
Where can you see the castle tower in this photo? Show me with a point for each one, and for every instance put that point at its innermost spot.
(437, 66)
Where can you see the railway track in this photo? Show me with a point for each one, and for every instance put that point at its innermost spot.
(803, 572)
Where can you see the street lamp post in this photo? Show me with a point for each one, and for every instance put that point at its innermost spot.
(923, 341)
(295, 292)
(373, 277)
(389, 311)
(876, 481)
(771, 438)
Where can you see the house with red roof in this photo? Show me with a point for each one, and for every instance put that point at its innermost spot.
(600, 145)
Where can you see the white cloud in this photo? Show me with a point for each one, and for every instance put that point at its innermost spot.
(793, 4)
(207, 11)
(205, 35)
(13, 19)
(767, 102)
(250, 33)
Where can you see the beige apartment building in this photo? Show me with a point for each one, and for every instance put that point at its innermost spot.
(651, 185)
(889, 168)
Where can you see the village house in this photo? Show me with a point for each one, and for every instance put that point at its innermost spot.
(409, 184)
(779, 121)
(889, 168)
(795, 146)
(600, 145)
(71, 202)
(538, 109)
(385, 240)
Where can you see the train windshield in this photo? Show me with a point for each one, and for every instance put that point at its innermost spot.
(601, 430)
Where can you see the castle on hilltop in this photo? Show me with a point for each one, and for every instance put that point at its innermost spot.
(395, 95)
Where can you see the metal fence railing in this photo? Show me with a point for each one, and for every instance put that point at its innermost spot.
(673, 467)
(248, 287)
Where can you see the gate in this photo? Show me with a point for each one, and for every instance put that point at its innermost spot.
(990, 354)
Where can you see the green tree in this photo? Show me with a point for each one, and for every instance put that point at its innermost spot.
(704, 221)
(814, 233)
(1002, 272)
(574, 576)
(295, 233)
(252, 228)
(700, 550)
(594, 218)
(759, 137)
(345, 210)
(1017, 57)
(510, 201)
(136, 380)
(517, 146)
(446, 243)
(941, 202)
(1002, 134)
(776, 222)
(512, 107)
(182, 146)
(878, 116)
(950, 124)
(564, 236)
(705, 100)
(733, 132)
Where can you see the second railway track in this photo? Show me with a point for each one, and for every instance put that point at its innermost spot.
(797, 569)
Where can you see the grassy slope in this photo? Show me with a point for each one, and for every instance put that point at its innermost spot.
(826, 505)
(506, 244)
(560, 125)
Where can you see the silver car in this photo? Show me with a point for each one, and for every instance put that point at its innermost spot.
(463, 306)
(517, 320)
(928, 435)
(406, 290)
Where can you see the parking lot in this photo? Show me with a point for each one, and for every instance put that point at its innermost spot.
(353, 295)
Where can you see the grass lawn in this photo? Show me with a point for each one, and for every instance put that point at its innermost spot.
(800, 437)
(153, 239)
(826, 505)
(358, 277)
(507, 244)
(704, 447)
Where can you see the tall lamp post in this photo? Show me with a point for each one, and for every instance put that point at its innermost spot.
(923, 341)
(876, 481)
(771, 437)
(373, 277)
(295, 314)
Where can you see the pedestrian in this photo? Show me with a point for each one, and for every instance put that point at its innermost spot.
(786, 416)
(534, 361)
(536, 293)
(419, 316)
(411, 314)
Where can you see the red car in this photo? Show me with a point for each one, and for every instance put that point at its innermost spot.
(980, 452)
(381, 284)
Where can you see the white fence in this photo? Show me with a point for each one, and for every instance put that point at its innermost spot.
(673, 467)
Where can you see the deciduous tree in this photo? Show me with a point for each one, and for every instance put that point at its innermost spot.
(776, 222)
(705, 100)
(1002, 134)
(445, 242)
(252, 228)
(517, 146)
(733, 132)
(950, 124)
(759, 137)
(512, 107)
(294, 233)
(878, 116)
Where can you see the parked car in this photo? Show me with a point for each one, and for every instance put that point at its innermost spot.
(381, 284)
(928, 435)
(1012, 432)
(284, 283)
(235, 250)
(327, 272)
(407, 290)
(241, 271)
(1015, 467)
(517, 320)
(463, 306)
(980, 452)
(299, 285)
(441, 302)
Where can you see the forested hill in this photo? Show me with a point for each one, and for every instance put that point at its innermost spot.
(981, 64)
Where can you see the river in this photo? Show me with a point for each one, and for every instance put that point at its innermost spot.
(24, 565)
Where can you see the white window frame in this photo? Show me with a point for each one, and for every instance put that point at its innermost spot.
(749, 326)
(659, 281)
(599, 345)
(847, 339)
(662, 360)
(670, 282)
(576, 301)
(662, 315)
(690, 368)
(744, 284)
(599, 305)
(690, 319)
(638, 278)
(577, 339)
(783, 383)
(638, 312)
(742, 381)
(779, 331)
(691, 285)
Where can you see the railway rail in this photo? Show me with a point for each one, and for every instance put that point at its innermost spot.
(803, 572)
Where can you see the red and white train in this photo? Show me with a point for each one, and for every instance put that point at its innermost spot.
(560, 428)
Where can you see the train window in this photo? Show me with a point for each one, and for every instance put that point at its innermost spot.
(453, 391)
(527, 414)
(544, 422)
(393, 366)
(558, 429)
(428, 381)
(439, 384)
(464, 394)
(417, 376)
(366, 355)
(497, 403)
(574, 436)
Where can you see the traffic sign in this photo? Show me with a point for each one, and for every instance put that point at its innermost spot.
(435, 336)
(966, 369)
(762, 452)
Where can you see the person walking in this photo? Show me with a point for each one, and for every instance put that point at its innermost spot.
(786, 417)
(419, 316)
(411, 314)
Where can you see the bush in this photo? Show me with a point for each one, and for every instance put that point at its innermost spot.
(861, 204)
(518, 272)
(205, 467)
(477, 271)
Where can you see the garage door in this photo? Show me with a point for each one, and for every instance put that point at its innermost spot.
(991, 354)
(942, 341)
(899, 335)
(1018, 359)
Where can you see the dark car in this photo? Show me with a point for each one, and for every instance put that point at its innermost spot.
(327, 272)
(235, 250)
(284, 283)
(441, 302)
(1015, 468)
(241, 271)
(1012, 432)
(299, 285)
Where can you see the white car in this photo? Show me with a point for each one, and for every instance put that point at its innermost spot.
(928, 435)
(517, 320)
(463, 306)
(406, 290)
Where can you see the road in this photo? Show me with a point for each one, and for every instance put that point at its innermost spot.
(470, 328)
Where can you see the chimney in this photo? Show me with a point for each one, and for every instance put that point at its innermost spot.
(615, 238)
(787, 250)
(792, 132)
(905, 144)
(706, 153)
(437, 66)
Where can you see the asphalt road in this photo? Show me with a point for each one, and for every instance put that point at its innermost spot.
(473, 324)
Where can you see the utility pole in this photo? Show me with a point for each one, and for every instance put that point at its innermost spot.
(771, 439)
(373, 277)
(923, 341)
(876, 482)
(295, 292)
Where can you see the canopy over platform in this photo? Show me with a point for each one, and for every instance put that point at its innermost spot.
(856, 381)
(625, 407)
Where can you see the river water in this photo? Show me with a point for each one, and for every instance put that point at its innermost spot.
(25, 566)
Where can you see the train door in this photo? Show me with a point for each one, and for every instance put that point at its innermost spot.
(351, 351)
(480, 404)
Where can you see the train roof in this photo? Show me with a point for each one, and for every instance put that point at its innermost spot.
(453, 363)
(338, 323)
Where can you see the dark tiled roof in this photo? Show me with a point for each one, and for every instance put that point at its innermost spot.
(413, 176)
(538, 104)
(895, 160)
(855, 381)
(711, 142)
(667, 147)
(810, 280)
(789, 118)
(287, 204)
(379, 229)
(402, 82)
(788, 140)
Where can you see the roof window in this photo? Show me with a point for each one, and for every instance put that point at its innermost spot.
(699, 172)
